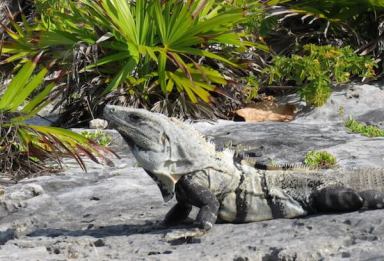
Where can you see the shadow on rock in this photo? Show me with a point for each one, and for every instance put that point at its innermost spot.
(103, 231)
(7, 235)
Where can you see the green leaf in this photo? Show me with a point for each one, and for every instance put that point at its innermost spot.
(38, 99)
(170, 85)
(17, 83)
(161, 23)
(23, 94)
(108, 59)
(205, 53)
(121, 76)
(50, 38)
(162, 74)
(19, 55)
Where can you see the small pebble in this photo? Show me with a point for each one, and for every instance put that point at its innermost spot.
(99, 243)
(98, 124)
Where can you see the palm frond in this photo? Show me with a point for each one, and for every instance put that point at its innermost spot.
(29, 149)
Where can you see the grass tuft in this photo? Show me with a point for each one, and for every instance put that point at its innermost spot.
(320, 159)
(364, 129)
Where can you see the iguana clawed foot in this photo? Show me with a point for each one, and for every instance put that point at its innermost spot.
(188, 235)
(181, 236)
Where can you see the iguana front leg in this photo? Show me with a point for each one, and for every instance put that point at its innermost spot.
(177, 214)
(188, 194)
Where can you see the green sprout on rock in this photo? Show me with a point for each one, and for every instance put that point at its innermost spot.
(320, 159)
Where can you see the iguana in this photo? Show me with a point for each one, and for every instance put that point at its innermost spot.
(183, 163)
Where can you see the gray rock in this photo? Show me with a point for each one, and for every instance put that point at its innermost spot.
(16, 197)
(362, 102)
(98, 124)
(313, 129)
(113, 213)
(287, 143)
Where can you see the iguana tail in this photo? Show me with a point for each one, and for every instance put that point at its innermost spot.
(332, 190)
(368, 184)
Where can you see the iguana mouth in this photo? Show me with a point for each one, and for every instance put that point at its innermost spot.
(126, 128)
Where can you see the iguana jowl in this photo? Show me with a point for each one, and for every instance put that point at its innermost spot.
(182, 163)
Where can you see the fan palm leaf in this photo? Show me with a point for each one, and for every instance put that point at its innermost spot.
(25, 148)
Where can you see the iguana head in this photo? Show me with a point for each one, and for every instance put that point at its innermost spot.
(164, 147)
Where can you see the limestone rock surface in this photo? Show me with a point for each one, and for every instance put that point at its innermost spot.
(112, 213)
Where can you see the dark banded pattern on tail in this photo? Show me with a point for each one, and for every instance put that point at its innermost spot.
(372, 199)
(337, 199)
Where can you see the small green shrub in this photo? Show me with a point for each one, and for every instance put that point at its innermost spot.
(98, 136)
(318, 68)
(320, 159)
(251, 88)
(366, 130)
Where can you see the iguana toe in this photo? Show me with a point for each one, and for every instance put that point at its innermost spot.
(204, 225)
(184, 234)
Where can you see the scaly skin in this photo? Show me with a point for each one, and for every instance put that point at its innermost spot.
(182, 163)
